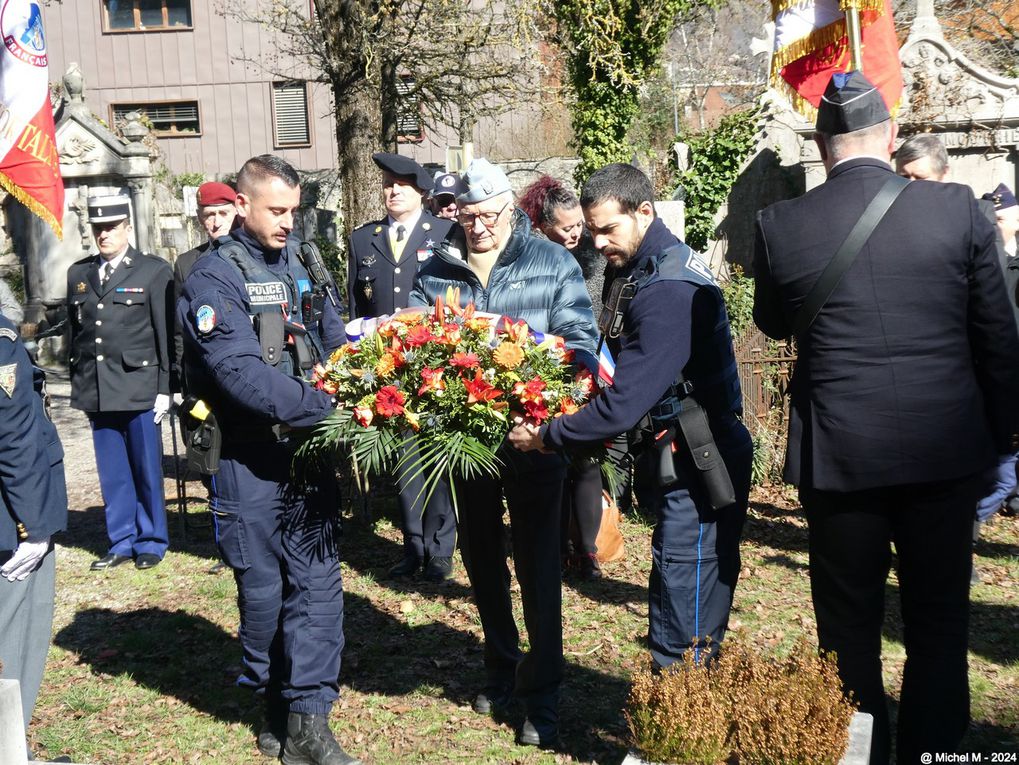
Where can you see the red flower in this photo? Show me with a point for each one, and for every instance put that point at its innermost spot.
(363, 415)
(516, 331)
(389, 401)
(418, 336)
(536, 410)
(464, 360)
(480, 390)
(585, 381)
(529, 391)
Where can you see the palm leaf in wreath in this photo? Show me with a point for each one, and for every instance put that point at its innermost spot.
(447, 456)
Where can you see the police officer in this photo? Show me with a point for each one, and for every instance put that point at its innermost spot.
(674, 354)
(34, 500)
(119, 304)
(384, 258)
(255, 322)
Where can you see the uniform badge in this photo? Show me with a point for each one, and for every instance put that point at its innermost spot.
(426, 226)
(266, 293)
(368, 260)
(378, 229)
(205, 319)
(429, 243)
(8, 378)
(80, 288)
(368, 291)
(10, 334)
(424, 255)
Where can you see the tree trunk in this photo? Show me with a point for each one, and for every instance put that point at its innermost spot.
(357, 130)
(389, 105)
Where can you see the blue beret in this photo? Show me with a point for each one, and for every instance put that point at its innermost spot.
(1002, 197)
(850, 103)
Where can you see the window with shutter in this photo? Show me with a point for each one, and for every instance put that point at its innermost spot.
(290, 113)
(168, 119)
(408, 122)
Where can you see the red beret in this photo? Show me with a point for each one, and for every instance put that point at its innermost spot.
(213, 193)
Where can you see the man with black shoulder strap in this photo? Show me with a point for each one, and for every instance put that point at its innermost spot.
(257, 314)
(902, 399)
(666, 325)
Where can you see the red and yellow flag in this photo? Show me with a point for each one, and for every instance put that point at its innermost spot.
(29, 161)
(811, 45)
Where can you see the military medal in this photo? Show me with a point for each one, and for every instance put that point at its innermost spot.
(368, 291)
(80, 287)
(368, 261)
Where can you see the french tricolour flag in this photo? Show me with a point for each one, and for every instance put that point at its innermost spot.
(606, 365)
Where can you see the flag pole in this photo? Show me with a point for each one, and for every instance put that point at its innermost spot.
(855, 38)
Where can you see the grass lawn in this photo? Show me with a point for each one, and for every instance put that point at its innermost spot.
(143, 662)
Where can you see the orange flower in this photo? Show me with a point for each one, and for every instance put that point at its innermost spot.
(567, 406)
(453, 301)
(433, 380)
(451, 332)
(418, 336)
(478, 323)
(389, 401)
(508, 355)
(464, 360)
(516, 331)
(529, 391)
(412, 420)
(480, 390)
(363, 415)
(409, 317)
(386, 365)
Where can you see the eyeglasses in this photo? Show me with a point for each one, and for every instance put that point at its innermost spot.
(488, 219)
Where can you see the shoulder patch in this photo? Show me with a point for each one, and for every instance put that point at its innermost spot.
(9, 333)
(266, 293)
(205, 319)
(8, 379)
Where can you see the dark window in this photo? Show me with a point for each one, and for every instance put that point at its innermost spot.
(408, 121)
(146, 15)
(168, 118)
(290, 114)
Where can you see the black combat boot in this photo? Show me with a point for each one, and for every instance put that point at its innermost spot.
(310, 742)
(274, 729)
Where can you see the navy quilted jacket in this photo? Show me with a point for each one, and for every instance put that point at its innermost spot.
(534, 280)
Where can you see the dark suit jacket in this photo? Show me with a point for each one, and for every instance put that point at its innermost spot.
(31, 459)
(181, 269)
(120, 346)
(376, 283)
(910, 372)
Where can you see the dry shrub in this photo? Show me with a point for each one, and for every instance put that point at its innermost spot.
(678, 716)
(746, 708)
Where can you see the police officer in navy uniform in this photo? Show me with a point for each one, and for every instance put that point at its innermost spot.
(674, 346)
(255, 323)
(34, 508)
(384, 258)
(119, 305)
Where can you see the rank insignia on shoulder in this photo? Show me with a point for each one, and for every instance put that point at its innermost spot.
(127, 260)
(8, 379)
(430, 243)
(80, 288)
(205, 319)
(9, 333)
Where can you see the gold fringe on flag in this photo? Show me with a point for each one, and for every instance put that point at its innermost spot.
(32, 204)
(877, 6)
(815, 41)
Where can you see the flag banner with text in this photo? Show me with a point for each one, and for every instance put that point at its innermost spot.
(811, 45)
(29, 161)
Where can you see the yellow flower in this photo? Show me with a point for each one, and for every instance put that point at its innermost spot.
(508, 355)
(386, 365)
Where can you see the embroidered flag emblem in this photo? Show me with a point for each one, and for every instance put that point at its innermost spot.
(205, 319)
(8, 378)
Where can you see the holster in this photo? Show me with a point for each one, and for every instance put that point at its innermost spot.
(693, 425)
(203, 439)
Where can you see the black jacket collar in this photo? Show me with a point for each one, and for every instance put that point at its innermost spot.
(858, 162)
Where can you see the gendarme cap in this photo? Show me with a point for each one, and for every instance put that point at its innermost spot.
(850, 103)
(404, 167)
(482, 180)
(1002, 197)
(108, 208)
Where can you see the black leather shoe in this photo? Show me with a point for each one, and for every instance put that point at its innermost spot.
(409, 566)
(589, 566)
(269, 742)
(110, 560)
(541, 734)
(492, 699)
(439, 569)
(310, 742)
(147, 560)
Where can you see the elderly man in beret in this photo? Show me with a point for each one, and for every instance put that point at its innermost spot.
(385, 255)
(902, 407)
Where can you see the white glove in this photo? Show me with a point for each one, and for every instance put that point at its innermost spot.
(178, 399)
(26, 559)
(161, 407)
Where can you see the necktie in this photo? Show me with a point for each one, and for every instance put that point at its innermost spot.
(401, 235)
(107, 273)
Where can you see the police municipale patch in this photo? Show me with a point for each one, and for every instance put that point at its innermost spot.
(205, 319)
(8, 378)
